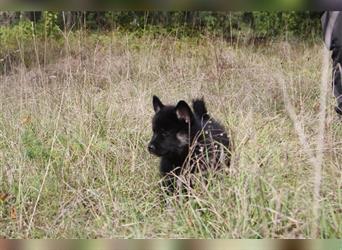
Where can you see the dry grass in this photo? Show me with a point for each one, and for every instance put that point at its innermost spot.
(73, 138)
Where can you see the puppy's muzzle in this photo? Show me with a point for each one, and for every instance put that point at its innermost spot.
(151, 148)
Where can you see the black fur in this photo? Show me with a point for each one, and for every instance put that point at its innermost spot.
(186, 140)
(200, 108)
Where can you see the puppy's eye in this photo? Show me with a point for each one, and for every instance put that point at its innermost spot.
(164, 133)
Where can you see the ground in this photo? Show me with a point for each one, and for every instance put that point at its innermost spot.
(75, 123)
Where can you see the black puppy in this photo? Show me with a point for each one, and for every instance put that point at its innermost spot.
(187, 141)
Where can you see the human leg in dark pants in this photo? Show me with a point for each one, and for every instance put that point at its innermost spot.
(337, 80)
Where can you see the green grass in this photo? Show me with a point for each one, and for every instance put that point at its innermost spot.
(74, 130)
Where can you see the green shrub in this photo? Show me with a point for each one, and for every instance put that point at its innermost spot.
(34, 147)
(51, 26)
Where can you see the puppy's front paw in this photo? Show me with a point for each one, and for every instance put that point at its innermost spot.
(338, 109)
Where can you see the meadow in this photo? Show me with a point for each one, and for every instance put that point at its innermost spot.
(75, 121)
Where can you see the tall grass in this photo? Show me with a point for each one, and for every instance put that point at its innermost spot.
(74, 129)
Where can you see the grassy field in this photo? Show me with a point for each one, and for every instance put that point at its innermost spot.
(75, 124)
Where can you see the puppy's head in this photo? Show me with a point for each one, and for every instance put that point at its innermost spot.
(171, 128)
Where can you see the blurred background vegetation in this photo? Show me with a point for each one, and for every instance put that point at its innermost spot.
(24, 34)
(226, 24)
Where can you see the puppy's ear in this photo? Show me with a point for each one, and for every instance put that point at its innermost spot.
(184, 112)
(157, 104)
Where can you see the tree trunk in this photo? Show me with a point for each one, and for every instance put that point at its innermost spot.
(9, 17)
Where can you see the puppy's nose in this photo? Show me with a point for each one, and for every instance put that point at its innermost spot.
(151, 148)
